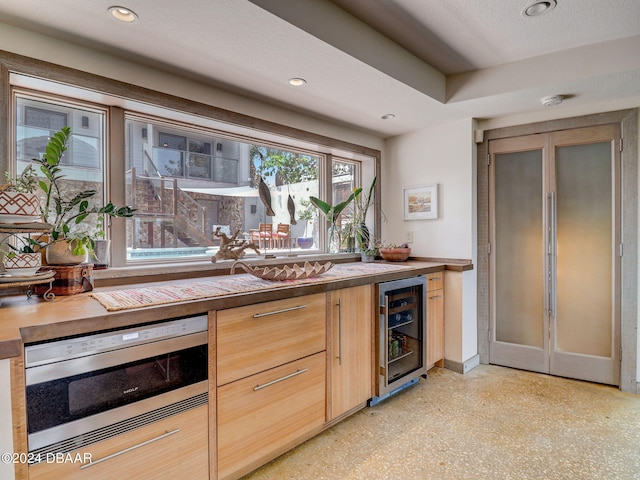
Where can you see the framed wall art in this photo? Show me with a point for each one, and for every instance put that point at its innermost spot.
(421, 203)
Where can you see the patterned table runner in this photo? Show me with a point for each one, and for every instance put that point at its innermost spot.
(227, 285)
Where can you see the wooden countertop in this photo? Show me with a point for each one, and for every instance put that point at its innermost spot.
(24, 320)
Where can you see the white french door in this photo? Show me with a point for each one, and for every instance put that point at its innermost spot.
(554, 259)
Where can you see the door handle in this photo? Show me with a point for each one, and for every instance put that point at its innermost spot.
(551, 248)
(339, 357)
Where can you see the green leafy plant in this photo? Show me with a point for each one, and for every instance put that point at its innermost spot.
(361, 205)
(26, 245)
(26, 182)
(393, 245)
(66, 212)
(332, 212)
(307, 214)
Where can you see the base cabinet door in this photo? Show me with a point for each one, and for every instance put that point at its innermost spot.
(175, 447)
(261, 416)
(435, 319)
(351, 348)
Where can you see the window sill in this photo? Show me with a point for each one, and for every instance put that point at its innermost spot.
(175, 271)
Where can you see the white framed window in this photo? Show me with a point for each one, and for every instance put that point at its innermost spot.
(217, 164)
(185, 182)
(36, 119)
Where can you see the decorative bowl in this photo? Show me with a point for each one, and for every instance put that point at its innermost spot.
(395, 254)
(287, 272)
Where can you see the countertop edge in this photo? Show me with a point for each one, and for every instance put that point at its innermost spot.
(13, 336)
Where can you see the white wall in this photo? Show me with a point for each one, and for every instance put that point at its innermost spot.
(445, 155)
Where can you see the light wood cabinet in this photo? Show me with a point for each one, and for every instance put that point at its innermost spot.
(435, 319)
(271, 380)
(351, 334)
(263, 415)
(258, 337)
(175, 447)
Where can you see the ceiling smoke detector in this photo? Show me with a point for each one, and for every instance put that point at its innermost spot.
(539, 7)
(552, 101)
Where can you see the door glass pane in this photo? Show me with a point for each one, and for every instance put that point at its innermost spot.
(584, 256)
(519, 238)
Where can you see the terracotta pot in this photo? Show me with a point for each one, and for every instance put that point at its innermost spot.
(395, 254)
(22, 264)
(60, 252)
(19, 207)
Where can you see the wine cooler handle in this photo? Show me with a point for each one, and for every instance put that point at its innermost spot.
(339, 357)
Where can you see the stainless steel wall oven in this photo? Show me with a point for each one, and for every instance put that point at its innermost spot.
(84, 389)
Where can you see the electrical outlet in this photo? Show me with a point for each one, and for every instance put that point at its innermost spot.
(409, 236)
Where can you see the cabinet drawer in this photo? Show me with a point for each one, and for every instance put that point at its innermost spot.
(176, 447)
(435, 281)
(263, 413)
(258, 337)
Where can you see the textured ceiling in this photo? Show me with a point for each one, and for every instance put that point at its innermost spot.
(426, 61)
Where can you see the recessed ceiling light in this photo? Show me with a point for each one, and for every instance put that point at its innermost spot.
(388, 116)
(552, 101)
(123, 14)
(297, 82)
(538, 8)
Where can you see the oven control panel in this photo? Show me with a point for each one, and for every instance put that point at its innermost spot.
(56, 351)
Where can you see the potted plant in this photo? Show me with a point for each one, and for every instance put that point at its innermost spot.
(369, 253)
(19, 202)
(361, 206)
(332, 214)
(307, 215)
(70, 243)
(21, 259)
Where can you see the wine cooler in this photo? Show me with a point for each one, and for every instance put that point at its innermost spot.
(401, 336)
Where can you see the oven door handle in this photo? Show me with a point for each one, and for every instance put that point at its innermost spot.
(142, 444)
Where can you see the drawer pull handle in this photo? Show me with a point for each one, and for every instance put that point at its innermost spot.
(264, 385)
(297, 307)
(339, 357)
(147, 442)
(433, 279)
(435, 296)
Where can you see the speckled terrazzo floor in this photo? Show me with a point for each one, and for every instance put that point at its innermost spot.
(492, 423)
